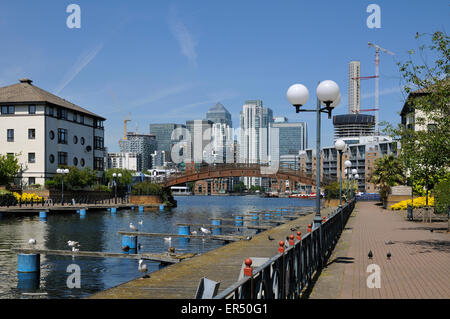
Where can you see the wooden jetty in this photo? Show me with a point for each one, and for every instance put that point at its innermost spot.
(209, 236)
(162, 257)
(277, 221)
(181, 280)
(262, 227)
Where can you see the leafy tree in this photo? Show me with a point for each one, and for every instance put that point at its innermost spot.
(125, 179)
(388, 171)
(425, 148)
(332, 190)
(239, 187)
(9, 167)
(75, 179)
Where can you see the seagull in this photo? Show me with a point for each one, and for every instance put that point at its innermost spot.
(194, 232)
(32, 241)
(370, 254)
(248, 237)
(142, 268)
(72, 243)
(167, 238)
(75, 249)
(140, 222)
(388, 255)
(205, 231)
(132, 227)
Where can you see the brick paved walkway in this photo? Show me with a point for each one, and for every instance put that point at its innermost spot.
(419, 266)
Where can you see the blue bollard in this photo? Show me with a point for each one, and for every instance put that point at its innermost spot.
(183, 230)
(28, 262)
(28, 281)
(141, 208)
(42, 215)
(161, 207)
(216, 231)
(130, 241)
(113, 209)
(82, 212)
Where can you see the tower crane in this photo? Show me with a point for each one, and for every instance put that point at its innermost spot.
(377, 78)
(126, 118)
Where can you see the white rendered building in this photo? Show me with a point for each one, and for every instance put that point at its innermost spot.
(46, 131)
(124, 160)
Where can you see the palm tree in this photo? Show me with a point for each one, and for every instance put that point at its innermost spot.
(388, 171)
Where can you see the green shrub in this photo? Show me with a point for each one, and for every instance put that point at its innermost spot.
(7, 199)
(442, 197)
(147, 188)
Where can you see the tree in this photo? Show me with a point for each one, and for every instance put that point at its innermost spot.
(75, 179)
(388, 171)
(9, 168)
(239, 187)
(125, 179)
(425, 147)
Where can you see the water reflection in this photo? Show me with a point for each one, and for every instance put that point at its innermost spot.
(97, 231)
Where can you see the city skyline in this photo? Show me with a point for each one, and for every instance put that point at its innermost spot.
(186, 61)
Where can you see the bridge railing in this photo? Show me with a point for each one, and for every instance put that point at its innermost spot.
(240, 166)
(288, 274)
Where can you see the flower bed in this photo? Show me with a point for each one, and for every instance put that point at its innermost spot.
(27, 197)
(418, 203)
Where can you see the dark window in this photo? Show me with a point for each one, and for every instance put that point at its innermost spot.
(61, 113)
(31, 158)
(98, 124)
(52, 135)
(75, 139)
(74, 117)
(82, 162)
(98, 143)
(8, 109)
(75, 161)
(98, 163)
(62, 158)
(50, 111)
(62, 136)
(10, 135)
(82, 141)
(31, 133)
(31, 180)
(31, 109)
(52, 158)
(81, 119)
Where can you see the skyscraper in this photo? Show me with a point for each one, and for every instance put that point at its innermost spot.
(354, 87)
(255, 121)
(219, 114)
(292, 137)
(163, 133)
(200, 139)
(143, 144)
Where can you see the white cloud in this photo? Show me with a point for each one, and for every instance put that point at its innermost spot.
(183, 36)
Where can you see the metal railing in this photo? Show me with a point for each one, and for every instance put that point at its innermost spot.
(288, 274)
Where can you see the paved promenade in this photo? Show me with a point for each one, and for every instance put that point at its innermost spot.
(419, 266)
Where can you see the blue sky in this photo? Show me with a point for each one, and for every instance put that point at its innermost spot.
(170, 61)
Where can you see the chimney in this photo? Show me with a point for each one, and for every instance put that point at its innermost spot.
(25, 80)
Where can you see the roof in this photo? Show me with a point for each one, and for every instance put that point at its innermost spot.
(24, 91)
(353, 119)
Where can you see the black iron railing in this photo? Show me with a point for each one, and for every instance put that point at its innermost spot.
(289, 273)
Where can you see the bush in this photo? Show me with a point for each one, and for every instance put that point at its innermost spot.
(442, 197)
(7, 199)
(147, 188)
(418, 203)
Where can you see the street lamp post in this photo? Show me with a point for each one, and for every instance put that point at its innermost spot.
(327, 93)
(340, 146)
(115, 185)
(352, 178)
(62, 171)
(348, 165)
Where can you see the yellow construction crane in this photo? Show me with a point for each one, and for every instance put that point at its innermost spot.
(126, 118)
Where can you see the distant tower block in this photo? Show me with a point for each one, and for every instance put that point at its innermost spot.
(354, 87)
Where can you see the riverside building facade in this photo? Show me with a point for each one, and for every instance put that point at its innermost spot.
(46, 132)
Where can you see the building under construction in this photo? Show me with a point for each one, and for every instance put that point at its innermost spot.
(349, 125)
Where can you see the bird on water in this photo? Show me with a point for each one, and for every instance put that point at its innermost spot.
(132, 227)
(205, 230)
(370, 254)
